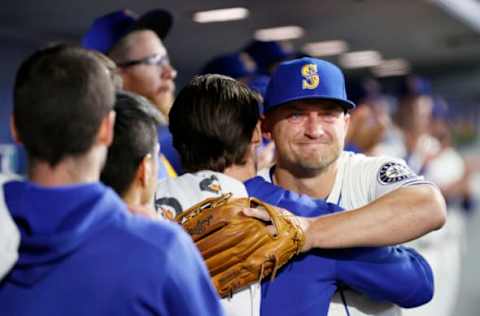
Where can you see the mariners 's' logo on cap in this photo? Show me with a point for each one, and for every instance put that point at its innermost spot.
(310, 75)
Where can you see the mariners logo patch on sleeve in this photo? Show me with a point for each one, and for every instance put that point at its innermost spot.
(392, 172)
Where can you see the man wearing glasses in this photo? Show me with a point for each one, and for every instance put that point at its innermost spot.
(136, 45)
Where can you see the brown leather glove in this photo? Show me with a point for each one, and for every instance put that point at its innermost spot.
(240, 250)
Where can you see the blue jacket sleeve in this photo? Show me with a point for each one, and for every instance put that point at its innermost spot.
(188, 289)
(396, 274)
(299, 204)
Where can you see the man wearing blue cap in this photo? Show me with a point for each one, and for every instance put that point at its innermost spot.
(306, 115)
(135, 44)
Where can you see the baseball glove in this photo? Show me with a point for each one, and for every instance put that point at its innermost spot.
(240, 250)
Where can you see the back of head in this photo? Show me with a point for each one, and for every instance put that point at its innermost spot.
(135, 137)
(212, 122)
(61, 95)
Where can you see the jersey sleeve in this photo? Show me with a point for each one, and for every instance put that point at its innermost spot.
(396, 274)
(387, 174)
(188, 290)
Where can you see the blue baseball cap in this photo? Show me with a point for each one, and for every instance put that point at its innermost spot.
(233, 65)
(107, 30)
(414, 85)
(259, 83)
(265, 54)
(306, 78)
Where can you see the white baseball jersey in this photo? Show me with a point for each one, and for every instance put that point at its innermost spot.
(9, 235)
(176, 194)
(359, 181)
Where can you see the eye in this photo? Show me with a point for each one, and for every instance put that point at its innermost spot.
(330, 115)
(296, 117)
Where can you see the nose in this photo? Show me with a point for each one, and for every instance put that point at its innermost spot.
(313, 126)
(168, 72)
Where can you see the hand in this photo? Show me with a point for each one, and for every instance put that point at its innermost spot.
(299, 221)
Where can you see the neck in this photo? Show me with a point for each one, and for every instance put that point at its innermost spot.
(247, 170)
(69, 171)
(242, 172)
(134, 197)
(315, 184)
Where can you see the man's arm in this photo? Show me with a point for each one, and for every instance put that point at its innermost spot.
(397, 217)
(395, 274)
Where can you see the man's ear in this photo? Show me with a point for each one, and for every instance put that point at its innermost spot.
(105, 131)
(347, 121)
(13, 130)
(145, 171)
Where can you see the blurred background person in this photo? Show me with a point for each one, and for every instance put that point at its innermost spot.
(416, 135)
(370, 120)
(238, 66)
(136, 45)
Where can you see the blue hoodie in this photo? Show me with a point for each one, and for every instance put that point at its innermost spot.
(82, 253)
(305, 286)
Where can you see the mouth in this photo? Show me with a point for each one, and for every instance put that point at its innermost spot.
(315, 143)
(167, 88)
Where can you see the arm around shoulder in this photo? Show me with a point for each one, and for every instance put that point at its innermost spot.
(396, 217)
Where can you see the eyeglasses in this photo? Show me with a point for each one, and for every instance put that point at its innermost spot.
(156, 59)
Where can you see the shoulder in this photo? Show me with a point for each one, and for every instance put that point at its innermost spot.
(358, 160)
(158, 240)
(383, 167)
(258, 183)
(175, 195)
(157, 234)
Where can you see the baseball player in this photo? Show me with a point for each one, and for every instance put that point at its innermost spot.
(223, 113)
(136, 44)
(306, 115)
(82, 252)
